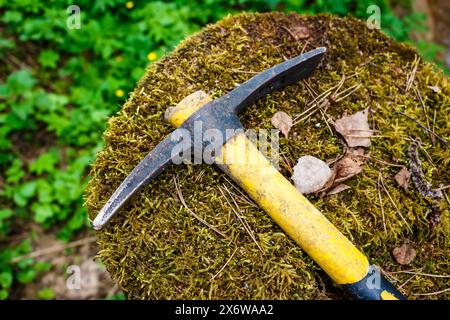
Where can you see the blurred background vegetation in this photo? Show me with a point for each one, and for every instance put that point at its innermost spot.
(57, 89)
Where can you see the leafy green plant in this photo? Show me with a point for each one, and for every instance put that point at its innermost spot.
(46, 294)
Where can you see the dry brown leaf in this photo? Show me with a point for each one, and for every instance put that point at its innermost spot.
(404, 254)
(402, 178)
(358, 153)
(355, 129)
(339, 188)
(300, 32)
(330, 183)
(282, 121)
(349, 166)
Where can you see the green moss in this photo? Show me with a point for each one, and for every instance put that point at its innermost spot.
(156, 249)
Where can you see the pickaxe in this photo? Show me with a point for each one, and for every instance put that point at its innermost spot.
(329, 248)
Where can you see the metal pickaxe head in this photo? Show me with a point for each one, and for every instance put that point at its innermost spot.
(219, 114)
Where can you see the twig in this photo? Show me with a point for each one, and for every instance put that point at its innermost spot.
(403, 271)
(320, 101)
(240, 218)
(446, 198)
(404, 283)
(304, 47)
(290, 33)
(226, 263)
(393, 203)
(327, 92)
(53, 249)
(313, 103)
(318, 107)
(389, 276)
(287, 163)
(434, 121)
(326, 121)
(199, 175)
(356, 88)
(412, 74)
(371, 136)
(365, 130)
(424, 274)
(431, 293)
(15, 61)
(382, 161)
(243, 195)
(427, 155)
(312, 92)
(339, 86)
(381, 202)
(424, 108)
(444, 141)
(180, 195)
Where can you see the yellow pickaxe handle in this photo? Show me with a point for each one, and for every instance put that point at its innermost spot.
(315, 234)
(335, 254)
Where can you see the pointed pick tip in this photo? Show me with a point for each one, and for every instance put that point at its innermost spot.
(97, 224)
(319, 51)
(96, 227)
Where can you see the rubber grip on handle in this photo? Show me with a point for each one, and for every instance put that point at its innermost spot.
(374, 286)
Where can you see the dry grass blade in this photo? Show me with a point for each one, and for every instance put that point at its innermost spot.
(424, 108)
(321, 101)
(432, 293)
(343, 91)
(325, 119)
(242, 194)
(411, 76)
(241, 219)
(370, 157)
(304, 47)
(371, 136)
(423, 274)
(314, 108)
(446, 197)
(427, 155)
(223, 267)
(407, 281)
(434, 121)
(318, 100)
(354, 87)
(403, 271)
(290, 32)
(393, 203)
(389, 276)
(444, 141)
(381, 202)
(180, 195)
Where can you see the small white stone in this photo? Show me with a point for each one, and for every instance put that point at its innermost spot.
(310, 174)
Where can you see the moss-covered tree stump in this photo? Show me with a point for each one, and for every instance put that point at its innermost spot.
(156, 248)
